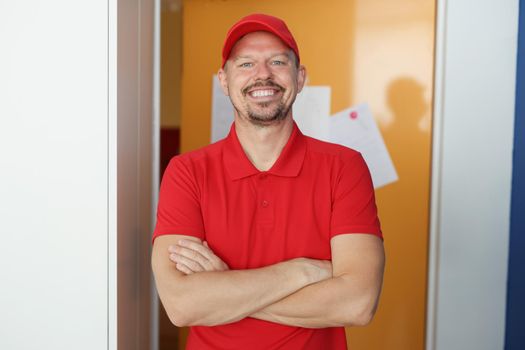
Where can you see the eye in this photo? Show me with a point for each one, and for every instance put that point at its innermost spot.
(278, 63)
(246, 65)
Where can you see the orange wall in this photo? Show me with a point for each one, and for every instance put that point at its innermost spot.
(367, 51)
(170, 64)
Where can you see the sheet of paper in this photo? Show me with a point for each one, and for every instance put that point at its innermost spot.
(311, 111)
(221, 112)
(356, 128)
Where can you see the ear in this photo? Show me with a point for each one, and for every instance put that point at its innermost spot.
(223, 80)
(301, 78)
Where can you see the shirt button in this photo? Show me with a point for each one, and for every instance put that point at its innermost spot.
(265, 204)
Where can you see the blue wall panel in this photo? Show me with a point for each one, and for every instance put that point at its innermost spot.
(515, 318)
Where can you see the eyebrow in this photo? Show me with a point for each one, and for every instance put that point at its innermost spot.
(251, 57)
(241, 57)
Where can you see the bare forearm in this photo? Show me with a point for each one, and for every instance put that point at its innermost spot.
(212, 298)
(348, 299)
(329, 303)
(275, 293)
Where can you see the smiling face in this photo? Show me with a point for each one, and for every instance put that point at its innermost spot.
(262, 79)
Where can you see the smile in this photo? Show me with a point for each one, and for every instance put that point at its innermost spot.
(263, 90)
(262, 93)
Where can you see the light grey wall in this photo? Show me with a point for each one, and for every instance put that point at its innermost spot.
(472, 162)
(54, 175)
(76, 184)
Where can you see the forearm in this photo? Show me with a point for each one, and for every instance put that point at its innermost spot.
(275, 294)
(338, 301)
(212, 298)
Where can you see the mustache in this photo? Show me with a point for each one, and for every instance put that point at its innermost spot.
(267, 83)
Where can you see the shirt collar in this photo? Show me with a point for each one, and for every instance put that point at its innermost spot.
(288, 164)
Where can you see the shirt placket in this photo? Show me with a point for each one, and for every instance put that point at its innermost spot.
(265, 205)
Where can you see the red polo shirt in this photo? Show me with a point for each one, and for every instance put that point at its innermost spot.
(253, 218)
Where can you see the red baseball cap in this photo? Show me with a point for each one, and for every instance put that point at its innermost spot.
(254, 23)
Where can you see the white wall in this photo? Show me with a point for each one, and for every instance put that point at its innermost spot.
(473, 133)
(54, 177)
(75, 200)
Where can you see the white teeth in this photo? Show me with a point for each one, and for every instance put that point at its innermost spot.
(261, 93)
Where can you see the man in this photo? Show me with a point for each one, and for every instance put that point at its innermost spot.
(267, 239)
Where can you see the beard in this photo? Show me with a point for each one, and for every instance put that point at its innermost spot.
(264, 113)
(267, 115)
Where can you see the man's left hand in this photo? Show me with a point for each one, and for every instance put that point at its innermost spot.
(191, 257)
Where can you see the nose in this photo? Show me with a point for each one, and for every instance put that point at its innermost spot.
(263, 72)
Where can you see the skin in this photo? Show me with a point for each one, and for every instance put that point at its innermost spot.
(196, 287)
(219, 296)
(262, 62)
(348, 297)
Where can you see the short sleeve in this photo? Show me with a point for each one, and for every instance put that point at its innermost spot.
(354, 208)
(179, 210)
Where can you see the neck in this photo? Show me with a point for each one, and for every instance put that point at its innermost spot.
(263, 145)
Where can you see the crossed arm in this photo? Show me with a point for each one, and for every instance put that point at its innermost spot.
(197, 288)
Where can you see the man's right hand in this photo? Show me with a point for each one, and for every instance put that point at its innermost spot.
(190, 256)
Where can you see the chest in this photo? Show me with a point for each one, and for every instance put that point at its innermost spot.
(263, 219)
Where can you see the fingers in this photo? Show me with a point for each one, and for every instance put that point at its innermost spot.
(215, 263)
(183, 268)
(190, 258)
(198, 247)
(193, 265)
(196, 256)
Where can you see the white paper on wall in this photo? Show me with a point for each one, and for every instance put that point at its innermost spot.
(356, 128)
(221, 112)
(311, 111)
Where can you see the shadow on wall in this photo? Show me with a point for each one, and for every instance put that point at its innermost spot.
(408, 139)
(412, 123)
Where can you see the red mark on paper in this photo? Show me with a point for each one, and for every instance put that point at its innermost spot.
(353, 115)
